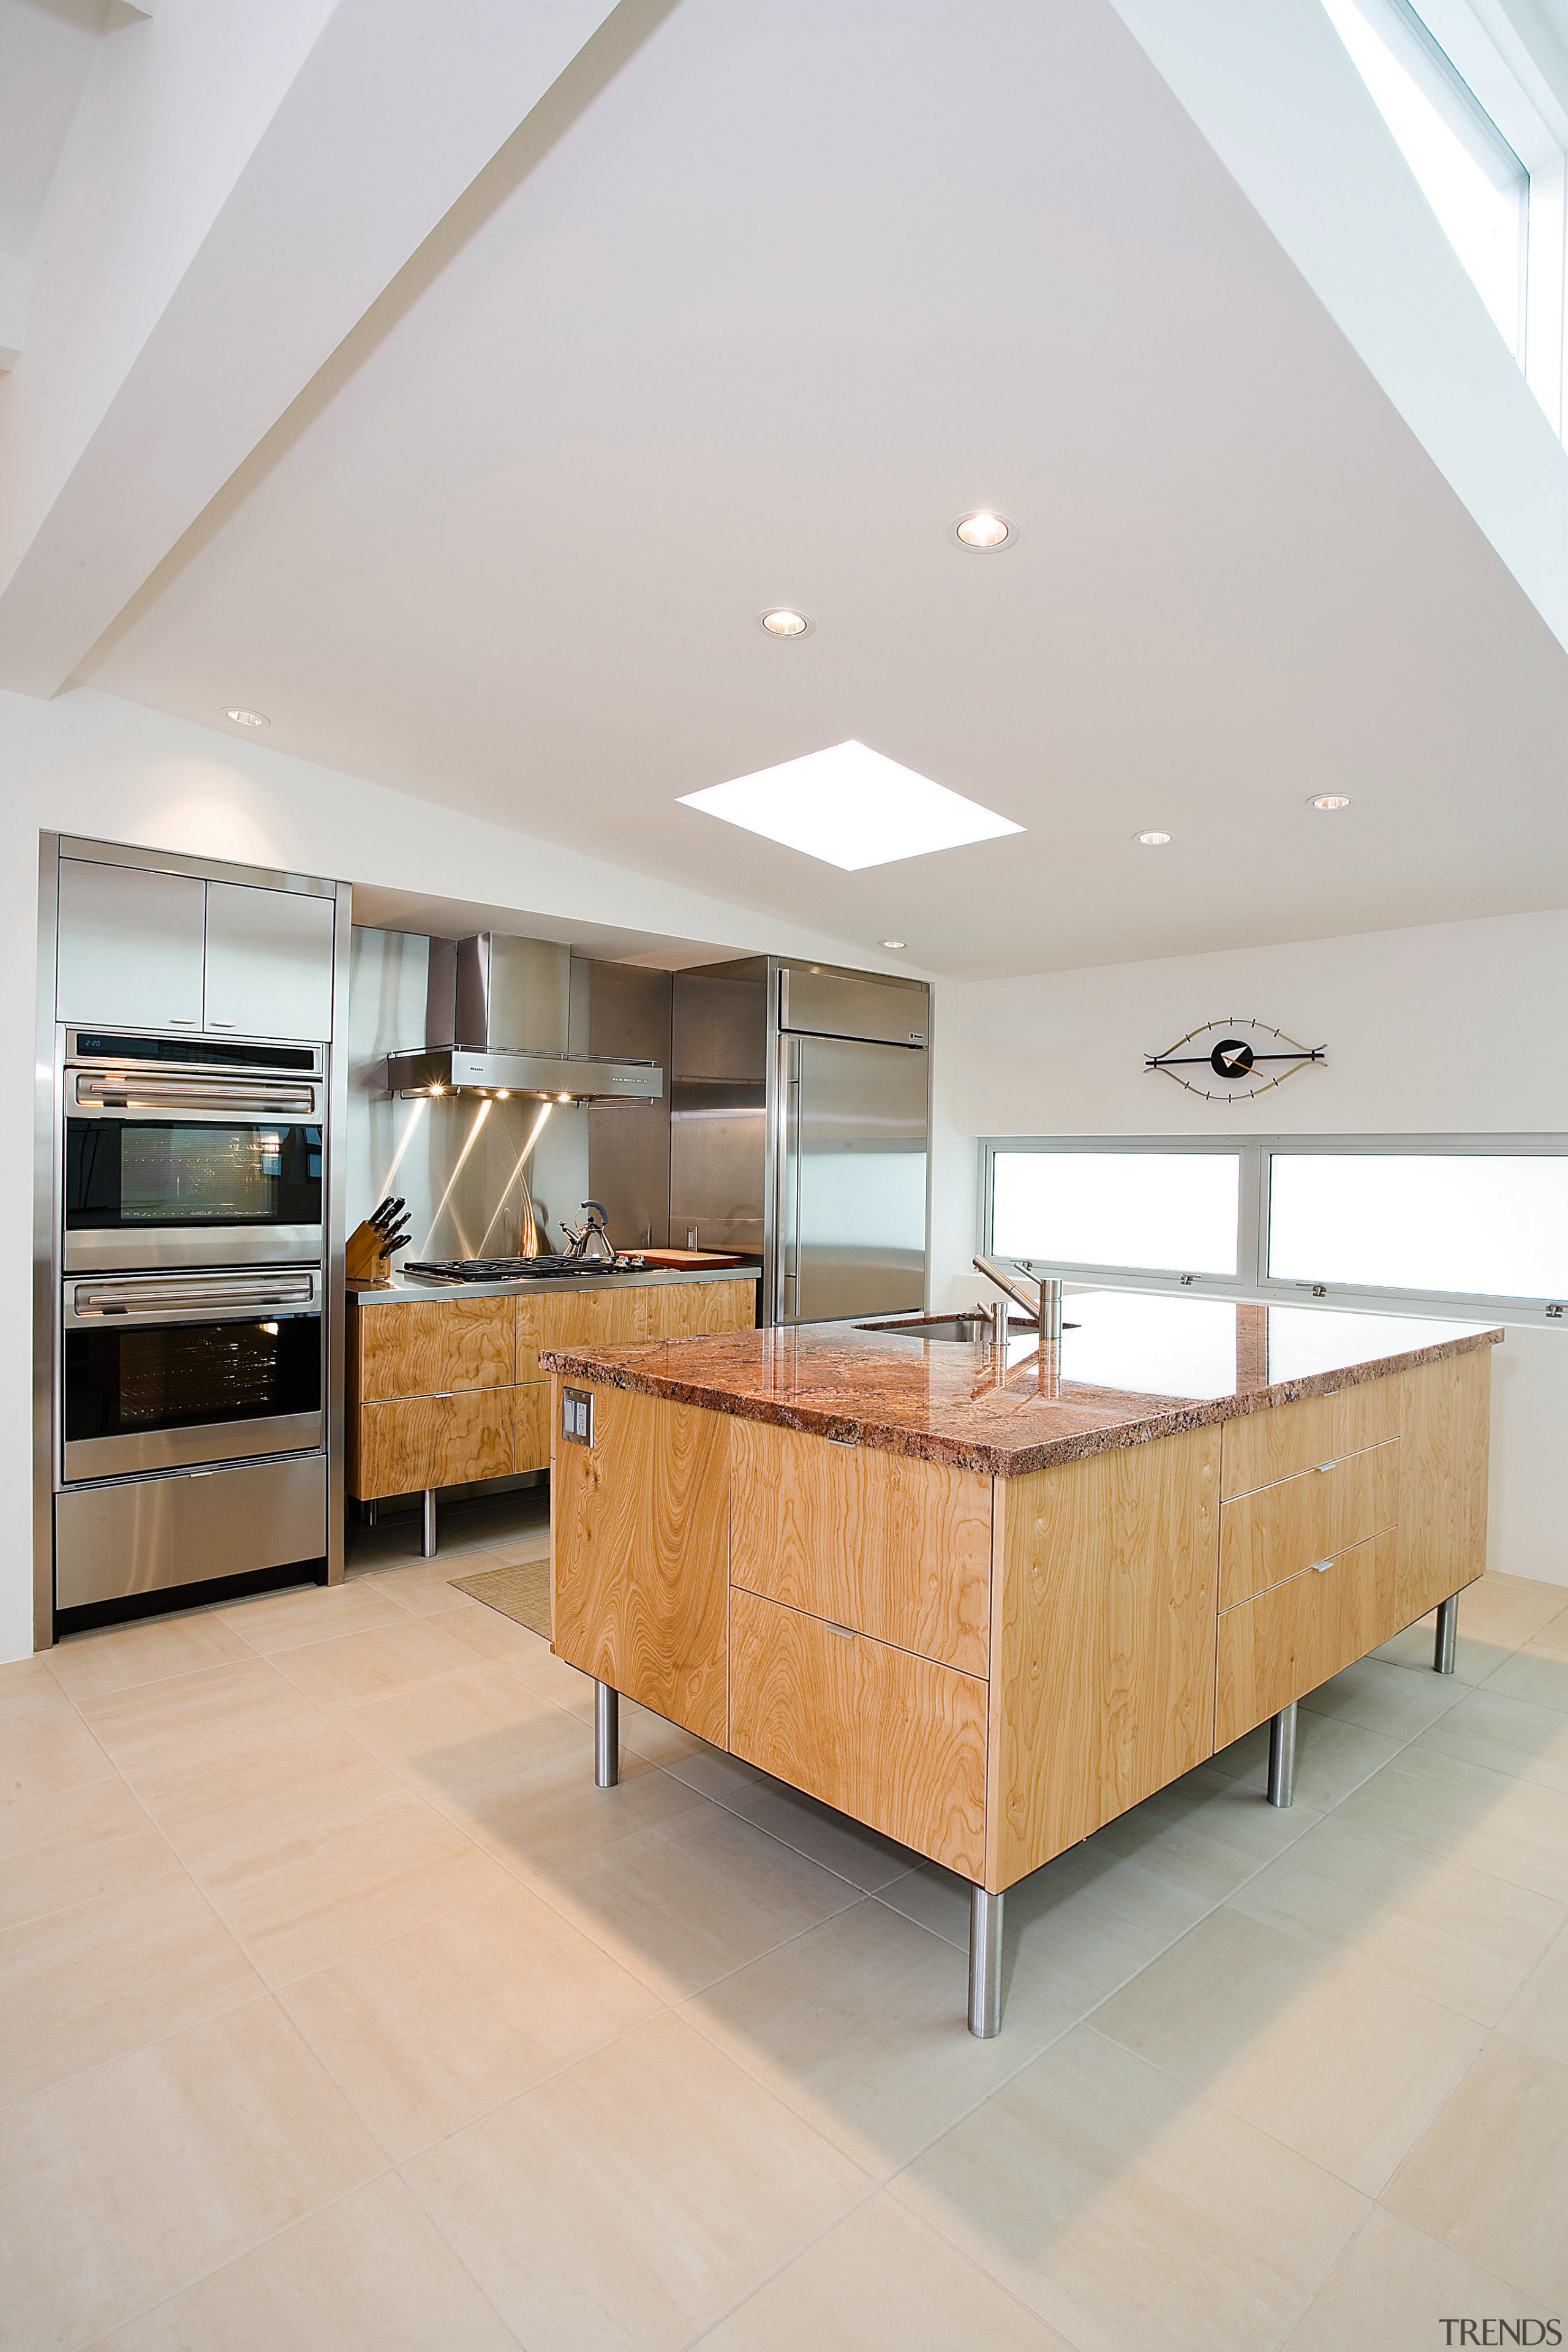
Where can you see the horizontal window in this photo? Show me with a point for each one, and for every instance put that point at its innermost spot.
(1462, 1226)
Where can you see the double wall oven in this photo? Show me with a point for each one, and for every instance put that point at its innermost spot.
(192, 1331)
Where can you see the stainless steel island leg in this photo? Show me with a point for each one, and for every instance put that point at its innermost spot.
(607, 1735)
(1282, 1757)
(428, 1525)
(984, 1963)
(1447, 1635)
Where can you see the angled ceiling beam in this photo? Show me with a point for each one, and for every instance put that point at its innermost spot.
(161, 350)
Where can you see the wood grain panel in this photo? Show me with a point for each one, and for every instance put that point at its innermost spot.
(1103, 1673)
(1288, 1642)
(1260, 1448)
(640, 1553)
(396, 1449)
(579, 1318)
(474, 1437)
(1275, 1532)
(433, 1346)
(895, 1548)
(691, 1310)
(530, 1424)
(893, 1740)
(1443, 1484)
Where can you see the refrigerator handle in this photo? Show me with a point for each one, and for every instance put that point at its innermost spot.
(786, 1294)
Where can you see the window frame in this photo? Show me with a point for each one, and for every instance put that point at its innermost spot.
(1252, 1280)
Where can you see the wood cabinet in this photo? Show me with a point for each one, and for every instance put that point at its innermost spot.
(415, 1367)
(989, 1669)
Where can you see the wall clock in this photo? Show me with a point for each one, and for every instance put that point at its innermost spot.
(1234, 1059)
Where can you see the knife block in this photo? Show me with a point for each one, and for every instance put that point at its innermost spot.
(365, 1258)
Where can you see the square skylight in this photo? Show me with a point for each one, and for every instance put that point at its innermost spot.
(852, 807)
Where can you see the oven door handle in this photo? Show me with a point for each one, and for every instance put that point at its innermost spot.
(209, 1099)
(152, 1300)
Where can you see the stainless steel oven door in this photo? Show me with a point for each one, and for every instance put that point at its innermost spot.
(161, 1370)
(178, 1169)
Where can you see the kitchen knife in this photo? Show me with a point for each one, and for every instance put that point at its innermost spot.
(378, 1215)
(395, 1241)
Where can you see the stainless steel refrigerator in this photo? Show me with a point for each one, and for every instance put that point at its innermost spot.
(799, 1131)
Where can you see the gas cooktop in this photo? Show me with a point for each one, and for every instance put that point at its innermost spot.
(511, 1269)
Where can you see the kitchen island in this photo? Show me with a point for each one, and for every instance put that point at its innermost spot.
(443, 1385)
(983, 1599)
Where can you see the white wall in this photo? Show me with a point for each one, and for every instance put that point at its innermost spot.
(88, 763)
(1455, 1028)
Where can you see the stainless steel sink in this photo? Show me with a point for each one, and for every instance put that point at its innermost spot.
(969, 1330)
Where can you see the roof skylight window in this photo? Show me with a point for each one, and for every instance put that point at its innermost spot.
(852, 807)
(1468, 172)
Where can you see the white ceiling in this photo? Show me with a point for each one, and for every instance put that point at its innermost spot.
(46, 50)
(794, 290)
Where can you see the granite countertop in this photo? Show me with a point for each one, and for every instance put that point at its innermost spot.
(404, 1287)
(1135, 1368)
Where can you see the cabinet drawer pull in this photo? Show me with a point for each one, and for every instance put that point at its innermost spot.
(842, 1440)
(1324, 1465)
(844, 1633)
(1319, 1566)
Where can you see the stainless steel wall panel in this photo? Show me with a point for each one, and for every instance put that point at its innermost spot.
(719, 1024)
(268, 962)
(157, 1534)
(717, 1164)
(626, 1012)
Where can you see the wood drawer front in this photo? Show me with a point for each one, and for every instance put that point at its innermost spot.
(1289, 1641)
(577, 1319)
(896, 1549)
(409, 1443)
(1275, 1532)
(893, 1740)
(1259, 1449)
(435, 1347)
(638, 1546)
(530, 1424)
(690, 1310)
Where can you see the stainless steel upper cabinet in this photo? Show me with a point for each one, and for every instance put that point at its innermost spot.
(817, 1002)
(852, 1206)
(130, 950)
(269, 962)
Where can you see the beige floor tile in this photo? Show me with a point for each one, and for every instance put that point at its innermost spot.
(274, 1622)
(690, 1899)
(1538, 2013)
(542, 1820)
(83, 1985)
(636, 2197)
(439, 1735)
(724, 1779)
(652, 1737)
(882, 2277)
(1447, 1932)
(1207, 1832)
(1341, 2065)
(1490, 2178)
(852, 1852)
(423, 1587)
(117, 1657)
(48, 1747)
(486, 1633)
(1506, 1735)
(861, 2026)
(122, 2185)
(434, 2028)
(27, 1684)
(1075, 1930)
(1333, 1757)
(370, 2274)
(1128, 2211)
(1386, 1699)
(155, 1732)
(1510, 1829)
(74, 1845)
(353, 1668)
(304, 1899)
(1394, 2287)
(1538, 1672)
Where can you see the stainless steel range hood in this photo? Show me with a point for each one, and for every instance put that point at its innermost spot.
(500, 1017)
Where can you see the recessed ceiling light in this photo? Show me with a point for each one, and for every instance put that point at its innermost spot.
(893, 943)
(1330, 801)
(1154, 840)
(984, 531)
(248, 718)
(785, 623)
(852, 807)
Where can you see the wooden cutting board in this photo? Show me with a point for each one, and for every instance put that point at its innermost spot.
(679, 1260)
